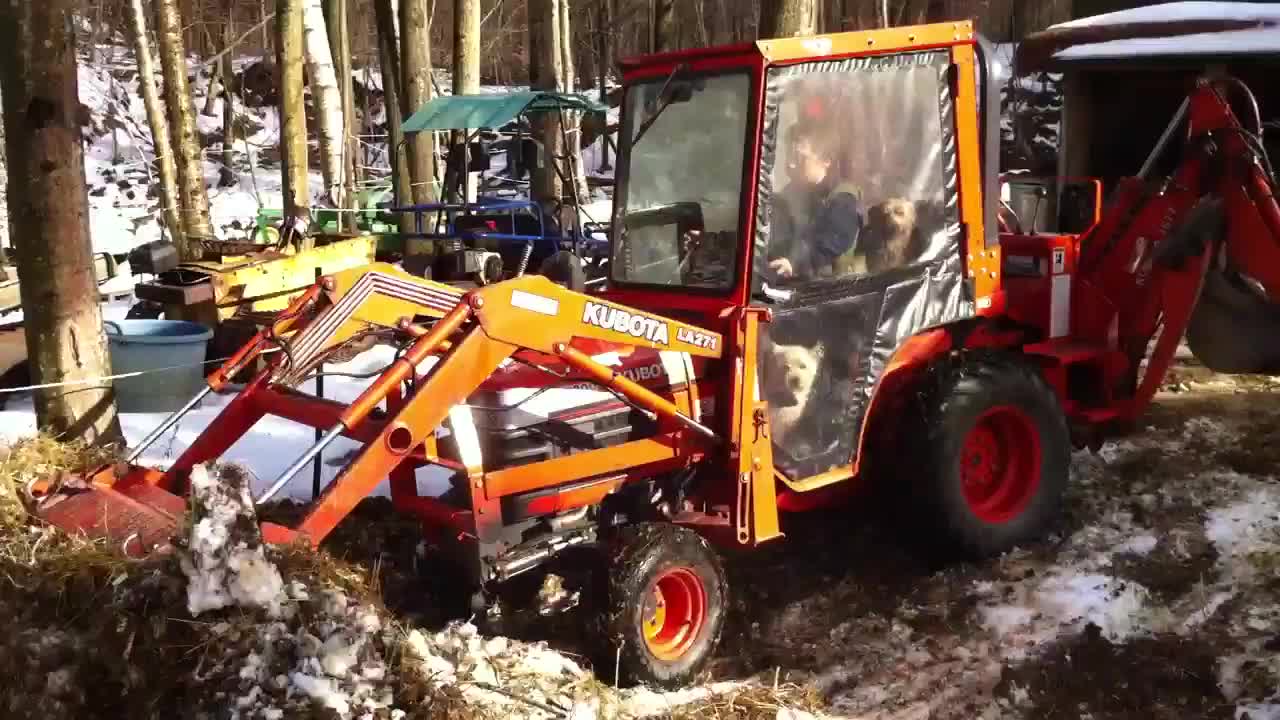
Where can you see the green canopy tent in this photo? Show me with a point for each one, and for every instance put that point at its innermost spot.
(473, 113)
(490, 111)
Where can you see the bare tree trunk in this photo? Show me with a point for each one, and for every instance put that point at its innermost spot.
(390, 61)
(573, 129)
(466, 80)
(787, 18)
(605, 35)
(325, 96)
(546, 186)
(216, 84)
(227, 177)
(156, 118)
(533, 9)
(339, 41)
(415, 68)
(665, 31)
(182, 124)
(49, 216)
(293, 119)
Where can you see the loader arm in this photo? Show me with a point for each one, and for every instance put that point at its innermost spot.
(469, 335)
(1142, 267)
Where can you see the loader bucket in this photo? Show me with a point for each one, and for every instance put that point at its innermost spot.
(116, 505)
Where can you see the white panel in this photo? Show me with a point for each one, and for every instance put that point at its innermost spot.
(1060, 306)
(536, 303)
(464, 434)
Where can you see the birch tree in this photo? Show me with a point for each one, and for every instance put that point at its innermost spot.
(665, 34)
(545, 182)
(227, 176)
(335, 19)
(182, 124)
(327, 98)
(49, 214)
(788, 18)
(568, 82)
(415, 84)
(293, 119)
(466, 78)
(157, 120)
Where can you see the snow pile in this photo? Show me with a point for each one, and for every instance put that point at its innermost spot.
(325, 652)
(498, 673)
(225, 562)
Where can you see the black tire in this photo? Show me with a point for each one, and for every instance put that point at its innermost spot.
(997, 415)
(642, 555)
(564, 268)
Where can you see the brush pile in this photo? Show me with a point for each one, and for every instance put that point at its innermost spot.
(229, 628)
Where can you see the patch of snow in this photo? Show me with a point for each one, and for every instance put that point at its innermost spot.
(1139, 544)
(1258, 711)
(645, 702)
(268, 448)
(1065, 602)
(1249, 527)
(1199, 617)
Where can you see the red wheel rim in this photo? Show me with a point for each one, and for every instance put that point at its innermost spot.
(1000, 464)
(674, 613)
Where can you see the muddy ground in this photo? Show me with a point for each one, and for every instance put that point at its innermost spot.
(1157, 597)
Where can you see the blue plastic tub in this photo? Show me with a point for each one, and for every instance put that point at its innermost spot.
(170, 352)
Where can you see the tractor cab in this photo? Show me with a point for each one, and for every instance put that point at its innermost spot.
(835, 182)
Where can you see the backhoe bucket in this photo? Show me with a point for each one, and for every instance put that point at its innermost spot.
(1233, 329)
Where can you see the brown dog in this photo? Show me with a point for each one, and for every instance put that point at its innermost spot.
(890, 237)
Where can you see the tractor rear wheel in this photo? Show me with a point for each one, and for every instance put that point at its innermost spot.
(995, 452)
(666, 604)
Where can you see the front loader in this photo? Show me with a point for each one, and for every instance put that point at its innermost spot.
(782, 328)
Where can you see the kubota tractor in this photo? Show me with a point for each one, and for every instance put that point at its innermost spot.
(813, 289)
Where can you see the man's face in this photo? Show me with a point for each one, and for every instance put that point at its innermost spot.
(805, 165)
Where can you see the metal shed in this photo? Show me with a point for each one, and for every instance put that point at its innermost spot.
(1125, 73)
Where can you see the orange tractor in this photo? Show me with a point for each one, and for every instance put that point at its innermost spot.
(812, 288)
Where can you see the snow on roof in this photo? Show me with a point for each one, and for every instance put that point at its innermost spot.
(1182, 11)
(1261, 37)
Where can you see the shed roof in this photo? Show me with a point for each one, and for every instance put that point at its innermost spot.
(1168, 31)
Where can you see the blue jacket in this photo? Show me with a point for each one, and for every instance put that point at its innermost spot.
(814, 227)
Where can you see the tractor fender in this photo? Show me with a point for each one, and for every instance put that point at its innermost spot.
(909, 363)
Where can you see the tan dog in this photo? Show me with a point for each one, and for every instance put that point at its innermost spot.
(890, 237)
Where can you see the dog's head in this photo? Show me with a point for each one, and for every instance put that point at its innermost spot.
(792, 372)
(895, 216)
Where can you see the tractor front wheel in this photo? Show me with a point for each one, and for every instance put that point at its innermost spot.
(666, 604)
(996, 455)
